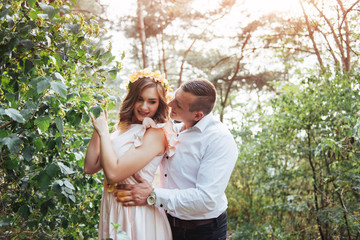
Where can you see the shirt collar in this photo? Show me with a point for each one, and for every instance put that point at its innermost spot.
(202, 124)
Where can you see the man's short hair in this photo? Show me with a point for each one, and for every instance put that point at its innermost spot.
(205, 92)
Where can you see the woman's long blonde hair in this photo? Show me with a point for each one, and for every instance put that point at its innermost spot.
(135, 89)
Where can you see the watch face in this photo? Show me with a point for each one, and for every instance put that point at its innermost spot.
(151, 199)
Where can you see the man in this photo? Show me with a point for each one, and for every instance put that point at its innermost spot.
(196, 176)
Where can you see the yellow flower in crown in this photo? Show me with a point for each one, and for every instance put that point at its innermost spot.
(133, 77)
(146, 73)
(157, 76)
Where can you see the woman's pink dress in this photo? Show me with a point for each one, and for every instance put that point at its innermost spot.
(139, 222)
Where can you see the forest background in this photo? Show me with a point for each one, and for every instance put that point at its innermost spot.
(288, 88)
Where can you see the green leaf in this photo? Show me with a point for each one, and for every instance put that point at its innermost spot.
(44, 208)
(96, 110)
(4, 133)
(75, 28)
(57, 186)
(5, 222)
(69, 184)
(59, 124)
(11, 97)
(65, 169)
(65, 8)
(73, 117)
(44, 181)
(24, 211)
(33, 14)
(58, 76)
(59, 88)
(86, 118)
(11, 163)
(59, 141)
(68, 190)
(121, 235)
(27, 44)
(4, 13)
(72, 198)
(107, 54)
(38, 145)
(13, 143)
(28, 152)
(42, 84)
(28, 66)
(52, 170)
(113, 72)
(48, 9)
(59, 61)
(26, 113)
(31, 2)
(15, 115)
(65, 223)
(43, 123)
(47, 205)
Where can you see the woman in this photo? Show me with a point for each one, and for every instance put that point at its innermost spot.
(133, 148)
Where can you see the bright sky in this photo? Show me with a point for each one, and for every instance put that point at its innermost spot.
(268, 6)
(255, 7)
(122, 7)
(228, 24)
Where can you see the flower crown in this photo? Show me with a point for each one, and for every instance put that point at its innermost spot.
(157, 76)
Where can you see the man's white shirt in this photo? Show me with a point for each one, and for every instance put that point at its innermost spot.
(194, 179)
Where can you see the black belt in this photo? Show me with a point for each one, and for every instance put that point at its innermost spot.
(190, 224)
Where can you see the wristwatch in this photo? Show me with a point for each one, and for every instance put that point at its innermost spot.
(151, 199)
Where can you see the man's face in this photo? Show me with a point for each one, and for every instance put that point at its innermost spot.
(180, 107)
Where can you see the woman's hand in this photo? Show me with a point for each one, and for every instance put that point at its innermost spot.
(148, 122)
(100, 123)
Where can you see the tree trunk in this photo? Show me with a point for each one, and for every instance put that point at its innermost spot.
(337, 39)
(237, 69)
(142, 35)
(314, 184)
(311, 35)
(163, 54)
(347, 34)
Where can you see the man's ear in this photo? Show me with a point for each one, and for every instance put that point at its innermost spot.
(199, 115)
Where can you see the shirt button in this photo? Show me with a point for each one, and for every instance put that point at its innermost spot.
(165, 175)
(167, 157)
(161, 205)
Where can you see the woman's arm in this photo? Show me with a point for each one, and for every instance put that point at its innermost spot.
(118, 168)
(92, 157)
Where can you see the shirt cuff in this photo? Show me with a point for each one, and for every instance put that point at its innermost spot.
(162, 198)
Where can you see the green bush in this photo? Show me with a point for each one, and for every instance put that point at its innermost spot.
(297, 176)
(52, 75)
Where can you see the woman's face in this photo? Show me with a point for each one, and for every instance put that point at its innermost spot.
(146, 105)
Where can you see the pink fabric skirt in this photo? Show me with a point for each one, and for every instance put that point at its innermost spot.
(138, 222)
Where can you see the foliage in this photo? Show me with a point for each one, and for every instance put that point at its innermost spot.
(297, 176)
(52, 75)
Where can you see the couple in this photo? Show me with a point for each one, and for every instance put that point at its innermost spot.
(196, 158)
